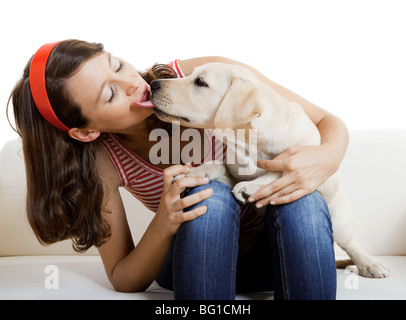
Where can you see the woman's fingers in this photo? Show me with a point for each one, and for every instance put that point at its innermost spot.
(286, 189)
(279, 164)
(173, 190)
(182, 184)
(286, 195)
(272, 188)
(195, 198)
(177, 217)
(303, 169)
(170, 172)
(192, 214)
(176, 204)
(172, 204)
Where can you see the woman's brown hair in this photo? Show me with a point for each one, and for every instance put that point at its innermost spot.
(64, 191)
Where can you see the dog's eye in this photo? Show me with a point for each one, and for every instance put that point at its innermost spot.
(200, 82)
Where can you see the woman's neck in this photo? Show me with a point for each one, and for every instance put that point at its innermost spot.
(137, 133)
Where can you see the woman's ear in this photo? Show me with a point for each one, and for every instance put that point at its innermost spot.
(84, 135)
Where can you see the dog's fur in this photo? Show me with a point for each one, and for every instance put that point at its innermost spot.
(228, 97)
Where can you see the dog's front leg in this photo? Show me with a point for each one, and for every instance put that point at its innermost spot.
(243, 190)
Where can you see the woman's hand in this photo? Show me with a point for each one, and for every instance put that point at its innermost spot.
(170, 212)
(304, 169)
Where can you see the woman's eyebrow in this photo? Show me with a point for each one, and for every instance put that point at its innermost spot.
(104, 82)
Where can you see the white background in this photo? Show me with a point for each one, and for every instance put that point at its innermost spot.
(347, 56)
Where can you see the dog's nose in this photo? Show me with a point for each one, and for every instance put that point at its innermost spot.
(155, 85)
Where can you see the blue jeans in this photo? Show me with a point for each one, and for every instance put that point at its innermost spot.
(293, 256)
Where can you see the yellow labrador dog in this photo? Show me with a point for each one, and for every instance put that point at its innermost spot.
(228, 98)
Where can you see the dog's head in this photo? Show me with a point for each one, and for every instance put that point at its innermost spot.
(215, 95)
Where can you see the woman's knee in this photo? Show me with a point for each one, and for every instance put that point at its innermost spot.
(220, 199)
(214, 184)
(310, 210)
(222, 209)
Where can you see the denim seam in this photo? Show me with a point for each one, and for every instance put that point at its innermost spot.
(317, 246)
(234, 264)
(285, 286)
(205, 249)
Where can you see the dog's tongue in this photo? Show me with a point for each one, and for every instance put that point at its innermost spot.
(145, 104)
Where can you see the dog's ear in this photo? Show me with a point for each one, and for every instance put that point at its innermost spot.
(241, 103)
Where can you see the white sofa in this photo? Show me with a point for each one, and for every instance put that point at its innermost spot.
(374, 173)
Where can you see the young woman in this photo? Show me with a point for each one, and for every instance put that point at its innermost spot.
(84, 122)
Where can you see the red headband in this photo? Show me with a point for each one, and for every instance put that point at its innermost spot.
(38, 88)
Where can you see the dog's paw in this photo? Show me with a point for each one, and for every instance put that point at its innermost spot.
(373, 269)
(243, 190)
(193, 172)
(179, 176)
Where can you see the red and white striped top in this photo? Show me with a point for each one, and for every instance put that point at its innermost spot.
(144, 181)
(175, 66)
(141, 178)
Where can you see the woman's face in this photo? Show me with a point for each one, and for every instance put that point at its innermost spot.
(107, 89)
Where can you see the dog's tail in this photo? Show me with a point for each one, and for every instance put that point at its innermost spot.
(342, 264)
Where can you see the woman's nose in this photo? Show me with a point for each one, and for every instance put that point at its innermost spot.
(130, 86)
(131, 89)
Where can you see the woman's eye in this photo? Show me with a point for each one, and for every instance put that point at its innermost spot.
(113, 94)
(200, 82)
(120, 65)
